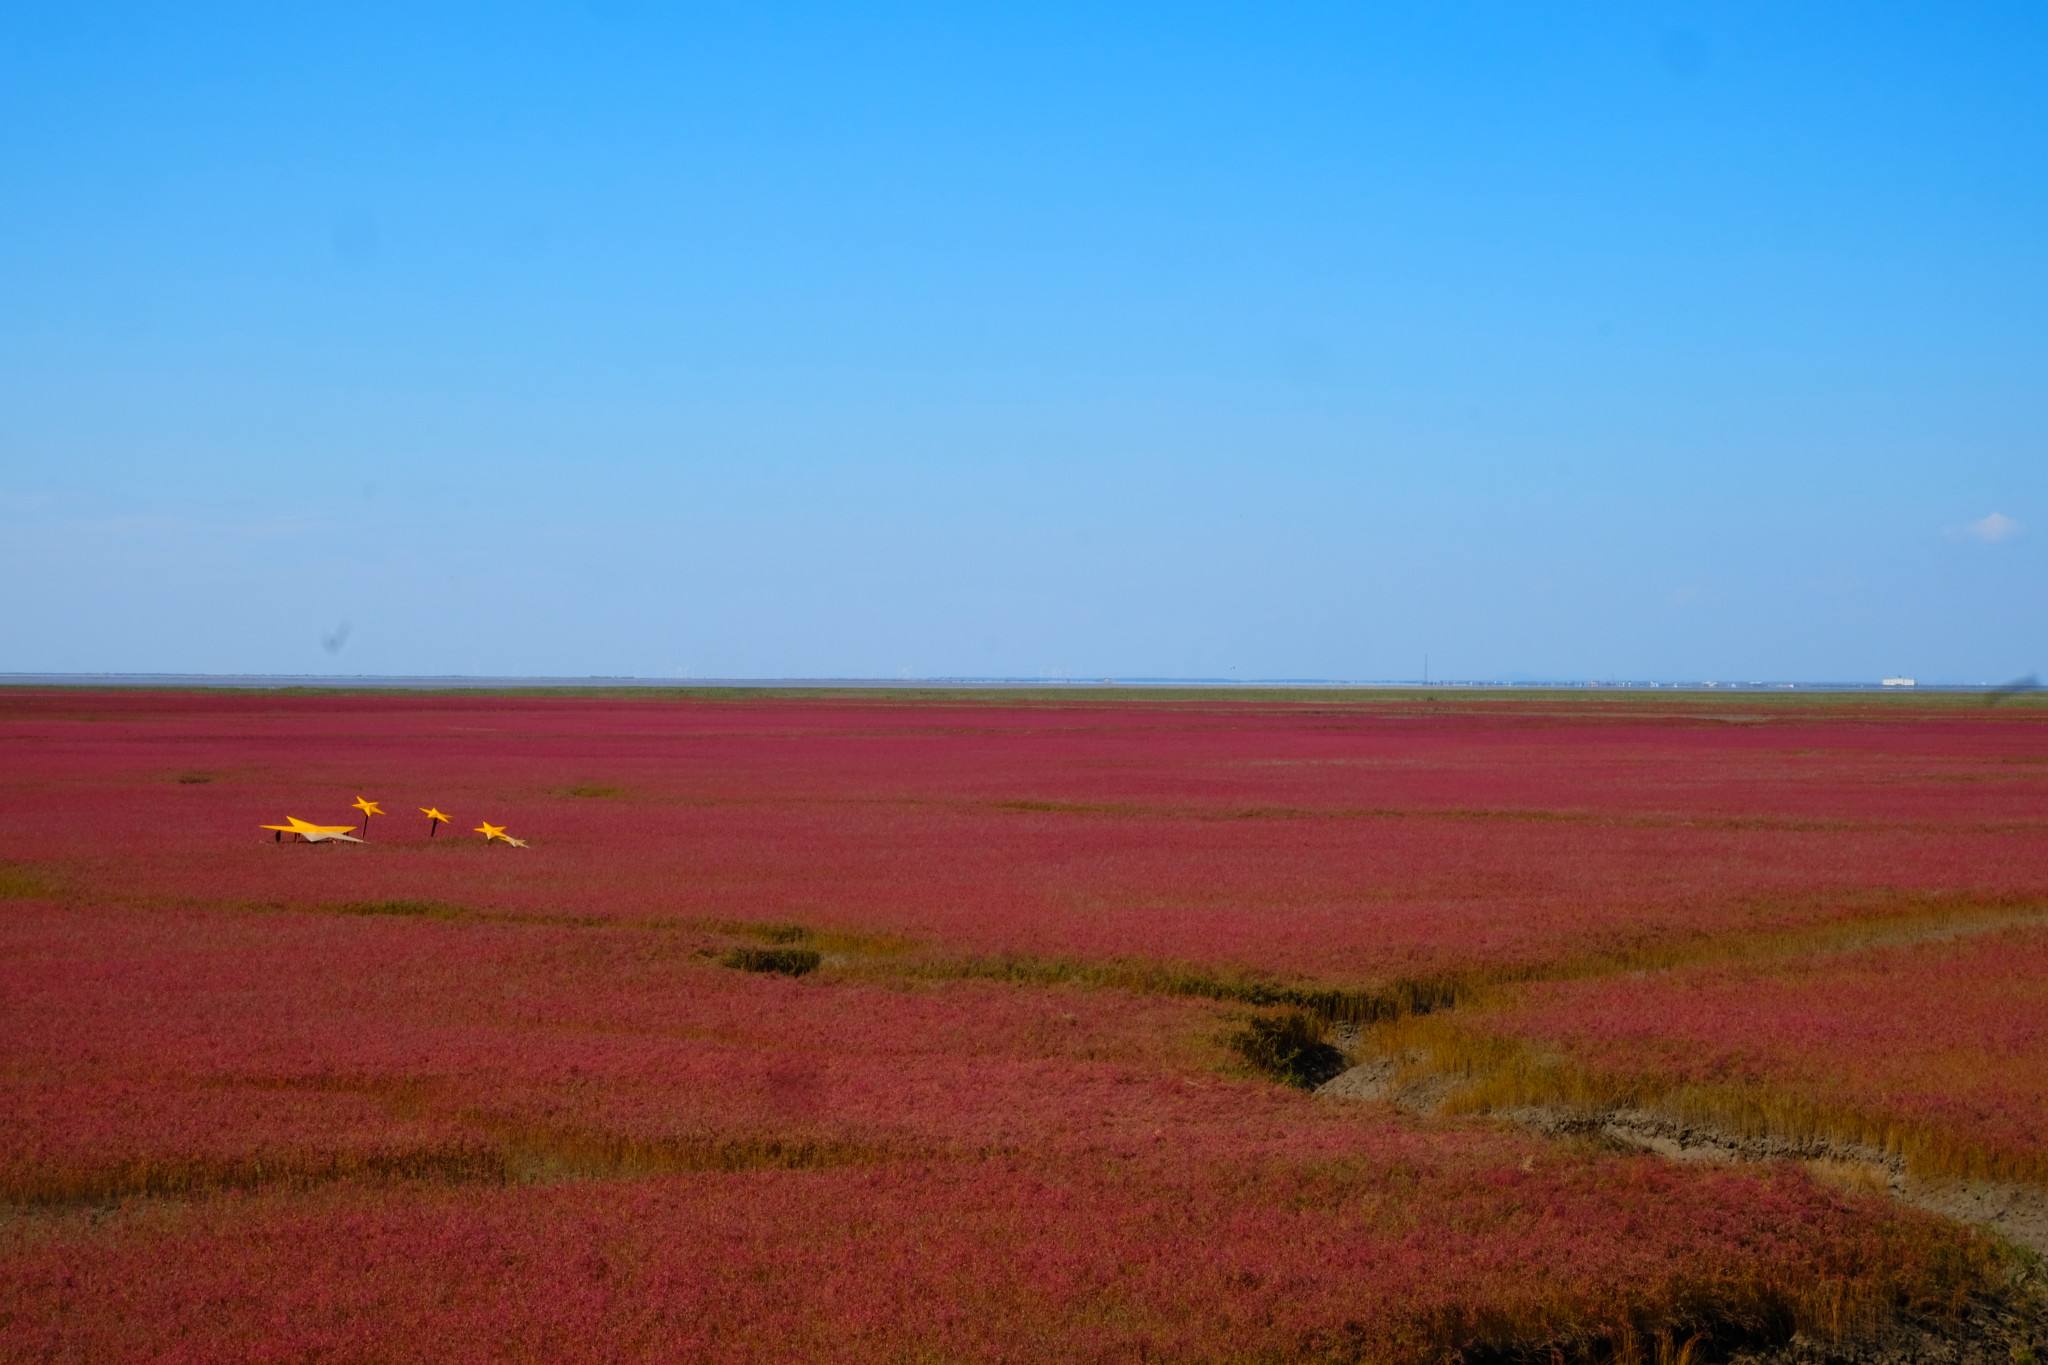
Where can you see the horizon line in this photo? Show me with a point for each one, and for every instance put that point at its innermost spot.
(428, 681)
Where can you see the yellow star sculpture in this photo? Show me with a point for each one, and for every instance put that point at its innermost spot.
(434, 819)
(496, 834)
(368, 808)
(313, 834)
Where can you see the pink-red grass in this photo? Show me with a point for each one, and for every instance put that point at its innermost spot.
(1346, 842)
(547, 1124)
(1366, 1247)
(174, 1040)
(991, 1172)
(1940, 1048)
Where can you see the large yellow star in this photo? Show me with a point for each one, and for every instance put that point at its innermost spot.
(314, 834)
(433, 814)
(368, 807)
(490, 831)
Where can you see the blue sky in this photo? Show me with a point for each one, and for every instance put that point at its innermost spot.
(1244, 341)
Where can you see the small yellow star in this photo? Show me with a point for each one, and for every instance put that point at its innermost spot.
(490, 831)
(368, 807)
(433, 814)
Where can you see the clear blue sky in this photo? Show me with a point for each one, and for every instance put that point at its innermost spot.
(1182, 340)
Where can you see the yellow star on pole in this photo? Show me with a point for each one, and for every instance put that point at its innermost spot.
(435, 819)
(490, 831)
(368, 808)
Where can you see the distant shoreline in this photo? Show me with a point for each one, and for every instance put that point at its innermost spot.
(428, 683)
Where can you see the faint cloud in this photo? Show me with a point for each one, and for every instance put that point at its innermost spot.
(333, 641)
(25, 502)
(147, 526)
(1993, 529)
(1832, 583)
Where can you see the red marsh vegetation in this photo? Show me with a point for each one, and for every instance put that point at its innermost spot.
(1333, 839)
(987, 1093)
(586, 1143)
(1936, 1050)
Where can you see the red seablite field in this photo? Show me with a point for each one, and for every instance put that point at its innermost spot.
(1344, 842)
(430, 1099)
(1947, 1037)
(617, 1146)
